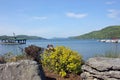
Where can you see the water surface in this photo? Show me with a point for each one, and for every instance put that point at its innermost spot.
(87, 48)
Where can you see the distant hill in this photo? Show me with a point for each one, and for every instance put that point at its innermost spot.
(105, 33)
(22, 36)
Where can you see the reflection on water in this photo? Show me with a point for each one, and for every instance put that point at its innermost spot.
(87, 48)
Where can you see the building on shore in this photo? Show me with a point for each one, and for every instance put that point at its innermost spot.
(13, 40)
(110, 40)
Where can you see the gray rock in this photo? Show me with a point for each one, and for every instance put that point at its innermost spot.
(103, 64)
(100, 68)
(22, 70)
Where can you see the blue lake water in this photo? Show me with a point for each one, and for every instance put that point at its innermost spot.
(87, 48)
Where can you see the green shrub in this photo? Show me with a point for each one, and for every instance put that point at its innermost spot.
(16, 58)
(10, 57)
(62, 60)
(6, 57)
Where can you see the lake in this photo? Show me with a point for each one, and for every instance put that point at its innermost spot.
(87, 48)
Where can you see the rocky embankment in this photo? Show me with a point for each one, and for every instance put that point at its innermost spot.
(21, 70)
(100, 68)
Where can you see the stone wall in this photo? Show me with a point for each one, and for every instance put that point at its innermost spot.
(100, 68)
(22, 70)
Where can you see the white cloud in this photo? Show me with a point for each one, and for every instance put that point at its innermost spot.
(110, 2)
(114, 13)
(75, 15)
(39, 18)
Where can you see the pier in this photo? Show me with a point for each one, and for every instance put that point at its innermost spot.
(13, 41)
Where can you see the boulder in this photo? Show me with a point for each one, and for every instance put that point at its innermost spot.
(101, 68)
(21, 70)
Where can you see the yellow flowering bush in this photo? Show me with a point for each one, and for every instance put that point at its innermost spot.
(62, 60)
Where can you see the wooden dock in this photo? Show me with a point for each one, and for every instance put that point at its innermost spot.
(13, 41)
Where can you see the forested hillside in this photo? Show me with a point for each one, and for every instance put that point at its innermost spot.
(106, 33)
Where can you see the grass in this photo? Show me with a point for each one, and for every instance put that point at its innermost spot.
(10, 57)
(109, 54)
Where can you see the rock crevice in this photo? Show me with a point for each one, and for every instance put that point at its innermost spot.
(100, 68)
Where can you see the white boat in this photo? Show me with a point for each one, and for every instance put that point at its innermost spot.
(110, 40)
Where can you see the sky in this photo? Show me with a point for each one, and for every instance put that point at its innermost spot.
(57, 18)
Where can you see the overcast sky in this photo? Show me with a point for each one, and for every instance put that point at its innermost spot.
(57, 18)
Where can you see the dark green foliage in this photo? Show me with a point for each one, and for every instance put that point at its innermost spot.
(106, 33)
(33, 52)
(29, 37)
(5, 37)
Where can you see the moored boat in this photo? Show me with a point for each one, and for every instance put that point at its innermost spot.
(110, 40)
